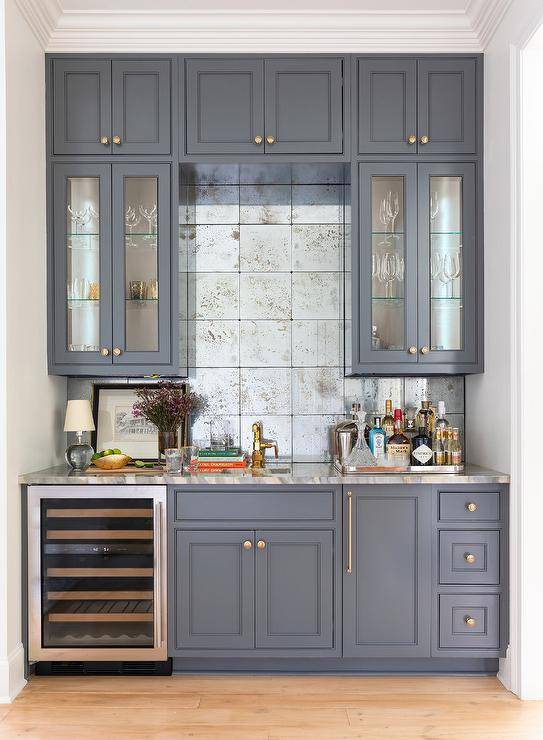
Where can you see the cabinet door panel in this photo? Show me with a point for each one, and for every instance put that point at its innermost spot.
(225, 106)
(304, 105)
(387, 594)
(294, 597)
(142, 106)
(447, 106)
(387, 106)
(81, 106)
(142, 264)
(81, 280)
(213, 602)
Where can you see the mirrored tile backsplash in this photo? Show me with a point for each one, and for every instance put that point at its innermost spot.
(262, 259)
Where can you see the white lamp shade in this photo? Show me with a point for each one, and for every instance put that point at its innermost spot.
(78, 417)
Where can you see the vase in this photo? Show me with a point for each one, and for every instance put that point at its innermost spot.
(166, 441)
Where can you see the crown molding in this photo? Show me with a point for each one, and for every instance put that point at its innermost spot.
(263, 31)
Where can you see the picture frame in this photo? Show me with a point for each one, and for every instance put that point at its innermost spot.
(116, 427)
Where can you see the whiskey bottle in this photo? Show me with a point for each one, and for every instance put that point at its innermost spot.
(388, 419)
(422, 453)
(398, 446)
(454, 448)
(426, 417)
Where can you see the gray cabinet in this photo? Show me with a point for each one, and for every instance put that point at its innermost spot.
(109, 107)
(386, 585)
(252, 106)
(417, 270)
(417, 106)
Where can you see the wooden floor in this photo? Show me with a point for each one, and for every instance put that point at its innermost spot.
(266, 707)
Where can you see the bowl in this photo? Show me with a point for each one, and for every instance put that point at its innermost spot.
(112, 462)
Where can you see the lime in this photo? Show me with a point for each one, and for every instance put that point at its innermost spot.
(149, 464)
(117, 451)
(96, 456)
(108, 452)
(139, 463)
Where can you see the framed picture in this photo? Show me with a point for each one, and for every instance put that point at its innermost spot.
(116, 426)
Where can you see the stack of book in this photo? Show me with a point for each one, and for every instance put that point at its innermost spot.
(221, 459)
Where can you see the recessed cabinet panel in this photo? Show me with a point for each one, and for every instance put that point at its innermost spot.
(81, 106)
(225, 106)
(447, 106)
(304, 106)
(387, 106)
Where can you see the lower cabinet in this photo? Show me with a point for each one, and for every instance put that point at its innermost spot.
(253, 589)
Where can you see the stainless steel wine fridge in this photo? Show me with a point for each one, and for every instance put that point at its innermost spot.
(96, 573)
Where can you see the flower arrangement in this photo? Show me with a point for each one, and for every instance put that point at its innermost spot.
(167, 405)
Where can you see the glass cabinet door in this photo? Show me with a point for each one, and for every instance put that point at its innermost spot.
(141, 264)
(82, 262)
(387, 277)
(447, 284)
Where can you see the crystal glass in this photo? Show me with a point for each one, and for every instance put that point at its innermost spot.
(388, 261)
(173, 460)
(189, 457)
(141, 265)
(83, 264)
(446, 268)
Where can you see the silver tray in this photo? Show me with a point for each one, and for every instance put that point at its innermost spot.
(385, 469)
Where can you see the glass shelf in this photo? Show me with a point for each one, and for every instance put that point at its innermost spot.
(444, 298)
(71, 234)
(387, 233)
(142, 233)
(383, 298)
(446, 233)
(83, 300)
(141, 300)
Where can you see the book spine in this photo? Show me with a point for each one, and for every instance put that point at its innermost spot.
(221, 466)
(219, 453)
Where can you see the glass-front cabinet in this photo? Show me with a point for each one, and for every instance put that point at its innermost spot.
(416, 269)
(112, 297)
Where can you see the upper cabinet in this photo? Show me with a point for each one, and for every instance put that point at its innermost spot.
(417, 106)
(112, 107)
(253, 106)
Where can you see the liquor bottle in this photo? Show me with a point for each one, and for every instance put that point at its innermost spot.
(388, 420)
(398, 446)
(441, 422)
(377, 442)
(410, 428)
(439, 446)
(425, 417)
(422, 453)
(454, 448)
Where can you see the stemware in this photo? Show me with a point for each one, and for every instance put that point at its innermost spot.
(131, 220)
(394, 208)
(451, 270)
(434, 205)
(150, 215)
(80, 218)
(384, 218)
(388, 272)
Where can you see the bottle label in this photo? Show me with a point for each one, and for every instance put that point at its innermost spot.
(378, 441)
(399, 453)
(423, 454)
(456, 458)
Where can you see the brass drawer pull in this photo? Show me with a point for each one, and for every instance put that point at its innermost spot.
(412, 350)
(116, 139)
(259, 139)
(270, 139)
(471, 506)
(117, 351)
(412, 139)
(470, 557)
(470, 621)
(104, 140)
(424, 139)
(247, 545)
(261, 544)
(350, 538)
(104, 352)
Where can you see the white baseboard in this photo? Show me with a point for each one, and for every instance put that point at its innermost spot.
(12, 675)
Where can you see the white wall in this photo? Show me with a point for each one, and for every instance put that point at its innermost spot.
(33, 401)
(495, 417)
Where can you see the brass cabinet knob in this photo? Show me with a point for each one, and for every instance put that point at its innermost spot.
(104, 352)
(259, 139)
(412, 350)
(116, 139)
(424, 139)
(424, 350)
(270, 139)
(247, 545)
(412, 139)
(470, 557)
(104, 140)
(117, 352)
(471, 506)
(261, 544)
(470, 621)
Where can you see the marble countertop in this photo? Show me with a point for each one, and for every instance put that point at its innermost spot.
(280, 474)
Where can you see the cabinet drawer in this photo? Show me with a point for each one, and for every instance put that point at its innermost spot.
(469, 506)
(253, 506)
(469, 621)
(469, 557)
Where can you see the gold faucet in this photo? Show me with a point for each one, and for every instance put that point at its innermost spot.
(260, 446)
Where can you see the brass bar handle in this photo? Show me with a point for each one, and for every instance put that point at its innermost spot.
(158, 575)
(350, 533)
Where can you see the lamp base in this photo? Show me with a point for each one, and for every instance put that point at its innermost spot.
(79, 456)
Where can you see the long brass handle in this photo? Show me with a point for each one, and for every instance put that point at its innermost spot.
(350, 534)
(158, 595)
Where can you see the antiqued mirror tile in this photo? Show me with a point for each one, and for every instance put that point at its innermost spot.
(265, 204)
(214, 343)
(317, 204)
(317, 390)
(315, 295)
(217, 428)
(265, 295)
(265, 174)
(183, 287)
(372, 393)
(209, 174)
(277, 428)
(265, 248)
(216, 204)
(265, 343)
(265, 391)
(220, 386)
(317, 247)
(448, 388)
(213, 248)
(312, 437)
(316, 343)
(213, 296)
(318, 174)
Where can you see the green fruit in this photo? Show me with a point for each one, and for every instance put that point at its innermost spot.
(139, 463)
(149, 465)
(96, 456)
(105, 453)
(117, 451)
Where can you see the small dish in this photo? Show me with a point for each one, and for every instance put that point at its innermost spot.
(112, 462)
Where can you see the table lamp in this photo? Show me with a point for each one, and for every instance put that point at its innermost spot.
(79, 419)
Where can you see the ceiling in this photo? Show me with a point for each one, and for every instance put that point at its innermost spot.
(286, 26)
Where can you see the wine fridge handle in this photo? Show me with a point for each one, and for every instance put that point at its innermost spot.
(158, 575)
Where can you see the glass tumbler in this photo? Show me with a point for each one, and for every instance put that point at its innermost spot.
(173, 460)
(189, 457)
